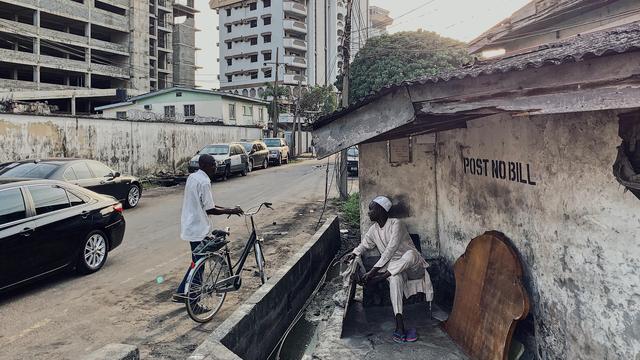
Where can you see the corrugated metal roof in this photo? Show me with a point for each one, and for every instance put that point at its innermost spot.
(607, 42)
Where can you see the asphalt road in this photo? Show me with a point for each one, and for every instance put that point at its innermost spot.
(68, 316)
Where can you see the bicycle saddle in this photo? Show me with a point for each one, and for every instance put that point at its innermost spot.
(219, 233)
(210, 245)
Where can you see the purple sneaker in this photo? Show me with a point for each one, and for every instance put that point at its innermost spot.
(399, 337)
(412, 336)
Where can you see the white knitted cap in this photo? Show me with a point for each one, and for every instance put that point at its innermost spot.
(384, 202)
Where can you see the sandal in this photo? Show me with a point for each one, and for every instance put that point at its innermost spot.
(399, 337)
(412, 336)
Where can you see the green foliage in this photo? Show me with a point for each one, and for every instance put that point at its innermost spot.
(283, 95)
(318, 101)
(351, 210)
(394, 58)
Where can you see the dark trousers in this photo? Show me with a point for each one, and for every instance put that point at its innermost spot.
(194, 260)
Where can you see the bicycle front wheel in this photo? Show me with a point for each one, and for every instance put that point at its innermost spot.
(257, 250)
(203, 298)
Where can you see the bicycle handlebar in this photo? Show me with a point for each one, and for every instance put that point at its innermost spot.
(268, 205)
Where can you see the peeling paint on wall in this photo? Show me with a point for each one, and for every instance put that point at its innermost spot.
(130, 147)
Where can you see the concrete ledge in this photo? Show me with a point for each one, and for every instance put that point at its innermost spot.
(115, 352)
(254, 329)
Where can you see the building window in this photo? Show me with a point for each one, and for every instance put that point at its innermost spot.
(121, 115)
(228, 28)
(228, 12)
(267, 20)
(229, 61)
(253, 41)
(148, 107)
(267, 74)
(254, 58)
(253, 6)
(179, 94)
(247, 111)
(229, 45)
(232, 111)
(254, 75)
(170, 111)
(189, 110)
(261, 114)
(267, 56)
(229, 78)
(245, 92)
(266, 3)
(266, 38)
(253, 23)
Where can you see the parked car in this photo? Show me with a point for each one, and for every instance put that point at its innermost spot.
(47, 225)
(89, 174)
(278, 150)
(258, 153)
(230, 159)
(353, 156)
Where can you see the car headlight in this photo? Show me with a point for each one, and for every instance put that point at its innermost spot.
(220, 162)
(193, 163)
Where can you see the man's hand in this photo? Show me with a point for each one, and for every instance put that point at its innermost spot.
(349, 257)
(371, 274)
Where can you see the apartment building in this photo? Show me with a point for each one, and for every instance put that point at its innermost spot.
(379, 20)
(79, 54)
(305, 35)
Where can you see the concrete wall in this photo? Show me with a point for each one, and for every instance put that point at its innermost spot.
(576, 229)
(131, 147)
(255, 328)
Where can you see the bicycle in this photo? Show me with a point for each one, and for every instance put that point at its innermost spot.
(212, 276)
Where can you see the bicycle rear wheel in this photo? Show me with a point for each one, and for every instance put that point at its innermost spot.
(257, 250)
(203, 299)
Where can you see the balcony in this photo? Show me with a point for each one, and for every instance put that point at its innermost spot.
(294, 25)
(294, 8)
(295, 61)
(291, 43)
(292, 79)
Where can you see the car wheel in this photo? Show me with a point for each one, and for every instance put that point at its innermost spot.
(133, 196)
(93, 253)
(265, 164)
(245, 171)
(250, 166)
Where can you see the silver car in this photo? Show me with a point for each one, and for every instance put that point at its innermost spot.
(230, 159)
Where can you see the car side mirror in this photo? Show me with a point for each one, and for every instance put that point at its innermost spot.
(116, 175)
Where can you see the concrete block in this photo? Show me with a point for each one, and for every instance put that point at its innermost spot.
(115, 352)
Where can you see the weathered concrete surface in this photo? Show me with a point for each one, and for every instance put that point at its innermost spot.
(115, 352)
(368, 334)
(576, 229)
(255, 328)
(133, 147)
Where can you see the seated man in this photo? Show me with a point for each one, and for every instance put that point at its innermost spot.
(400, 263)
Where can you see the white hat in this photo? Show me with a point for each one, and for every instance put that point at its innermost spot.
(384, 202)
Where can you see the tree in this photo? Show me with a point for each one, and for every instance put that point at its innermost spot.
(317, 101)
(390, 59)
(283, 96)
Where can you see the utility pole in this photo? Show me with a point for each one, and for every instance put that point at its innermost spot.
(346, 47)
(296, 111)
(276, 115)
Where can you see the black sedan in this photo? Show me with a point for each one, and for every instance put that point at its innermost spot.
(258, 154)
(89, 174)
(46, 226)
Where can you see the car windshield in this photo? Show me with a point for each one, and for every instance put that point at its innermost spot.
(29, 170)
(215, 150)
(353, 152)
(247, 147)
(272, 142)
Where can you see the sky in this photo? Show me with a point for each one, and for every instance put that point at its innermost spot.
(459, 19)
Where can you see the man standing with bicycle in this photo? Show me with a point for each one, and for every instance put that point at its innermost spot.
(197, 205)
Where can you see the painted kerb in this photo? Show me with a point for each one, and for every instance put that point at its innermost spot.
(255, 328)
(131, 147)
